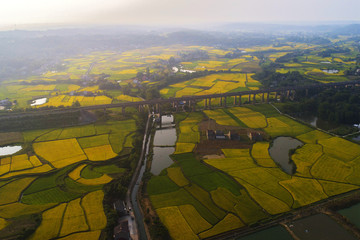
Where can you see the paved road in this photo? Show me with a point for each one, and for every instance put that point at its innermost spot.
(131, 195)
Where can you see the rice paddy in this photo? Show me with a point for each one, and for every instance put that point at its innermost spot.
(62, 172)
(321, 171)
(65, 190)
(211, 84)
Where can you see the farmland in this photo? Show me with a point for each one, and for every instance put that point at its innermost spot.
(63, 173)
(244, 182)
(61, 176)
(212, 84)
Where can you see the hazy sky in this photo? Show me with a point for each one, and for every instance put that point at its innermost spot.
(175, 12)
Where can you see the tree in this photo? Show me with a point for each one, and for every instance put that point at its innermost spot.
(172, 61)
(76, 104)
(139, 75)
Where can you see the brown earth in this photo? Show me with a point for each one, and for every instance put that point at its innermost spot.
(210, 147)
(10, 137)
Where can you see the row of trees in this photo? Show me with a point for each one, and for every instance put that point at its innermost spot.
(340, 106)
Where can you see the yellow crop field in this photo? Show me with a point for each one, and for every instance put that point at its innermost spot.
(204, 198)
(211, 65)
(308, 153)
(73, 87)
(180, 84)
(74, 219)
(207, 81)
(194, 219)
(188, 133)
(248, 210)
(231, 165)
(89, 89)
(98, 100)
(11, 192)
(20, 162)
(335, 188)
(355, 176)
(276, 127)
(94, 141)
(96, 181)
(221, 87)
(305, 157)
(60, 153)
(340, 148)
(3, 223)
(187, 91)
(35, 161)
(67, 101)
(304, 190)
(296, 127)
(76, 173)
(285, 126)
(50, 224)
(5, 161)
(174, 221)
(267, 181)
(303, 169)
(4, 169)
(164, 91)
(234, 153)
(260, 152)
(128, 98)
(93, 235)
(18, 209)
(271, 204)
(221, 117)
(224, 198)
(230, 222)
(93, 207)
(177, 176)
(313, 136)
(41, 169)
(328, 168)
(40, 88)
(184, 147)
(78, 131)
(100, 153)
(249, 118)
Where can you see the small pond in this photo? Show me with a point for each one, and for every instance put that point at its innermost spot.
(279, 151)
(9, 150)
(274, 233)
(164, 142)
(38, 102)
(331, 71)
(319, 227)
(187, 71)
(357, 138)
(165, 137)
(161, 159)
(352, 213)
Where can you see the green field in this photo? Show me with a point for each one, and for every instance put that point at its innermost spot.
(52, 154)
(247, 184)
